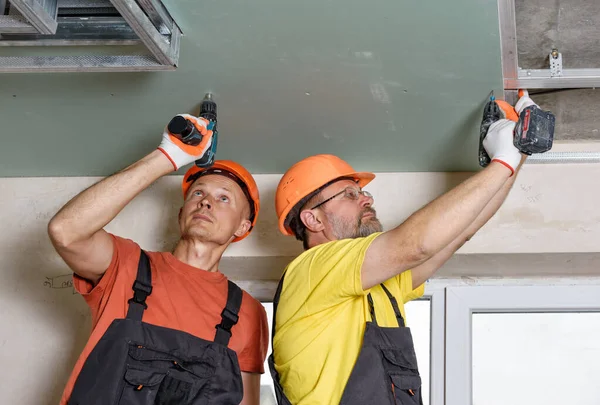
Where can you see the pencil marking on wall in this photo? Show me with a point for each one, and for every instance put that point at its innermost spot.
(525, 188)
(60, 282)
(534, 199)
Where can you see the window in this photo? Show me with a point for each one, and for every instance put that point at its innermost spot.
(418, 319)
(523, 345)
(267, 392)
(557, 354)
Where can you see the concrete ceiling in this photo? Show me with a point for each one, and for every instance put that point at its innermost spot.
(389, 85)
(572, 27)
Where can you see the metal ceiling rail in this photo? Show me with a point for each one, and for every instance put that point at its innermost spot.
(543, 79)
(40, 13)
(518, 78)
(15, 24)
(32, 64)
(85, 23)
(165, 48)
(80, 31)
(564, 157)
(158, 14)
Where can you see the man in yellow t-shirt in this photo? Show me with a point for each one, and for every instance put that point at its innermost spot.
(339, 327)
(326, 322)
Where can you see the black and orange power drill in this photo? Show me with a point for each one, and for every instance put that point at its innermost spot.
(188, 134)
(534, 132)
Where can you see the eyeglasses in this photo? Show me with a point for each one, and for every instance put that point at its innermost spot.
(350, 193)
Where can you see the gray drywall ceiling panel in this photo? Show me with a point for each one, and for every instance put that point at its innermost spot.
(389, 85)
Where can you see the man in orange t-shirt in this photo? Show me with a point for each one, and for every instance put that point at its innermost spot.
(168, 327)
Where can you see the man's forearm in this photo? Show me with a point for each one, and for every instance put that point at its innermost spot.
(432, 228)
(493, 206)
(423, 272)
(94, 208)
(448, 216)
(251, 383)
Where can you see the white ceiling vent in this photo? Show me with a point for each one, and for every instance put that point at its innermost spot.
(87, 35)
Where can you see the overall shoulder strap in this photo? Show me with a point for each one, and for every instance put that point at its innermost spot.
(394, 305)
(372, 308)
(275, 303)
(279, 394)
(229, 316)
(142, 288)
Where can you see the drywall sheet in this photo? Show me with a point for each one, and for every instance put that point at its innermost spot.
(389, 85)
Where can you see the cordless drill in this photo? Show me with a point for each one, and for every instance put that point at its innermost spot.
(534, 132)
(185, 130)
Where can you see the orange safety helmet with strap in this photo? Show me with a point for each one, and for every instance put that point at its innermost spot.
(234, 171)
(306, 177)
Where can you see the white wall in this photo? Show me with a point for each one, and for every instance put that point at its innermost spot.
(43, 325)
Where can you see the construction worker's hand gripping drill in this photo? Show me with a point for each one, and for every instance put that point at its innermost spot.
(499, 144)
(499, 140)
(524, 101)
(180, 153)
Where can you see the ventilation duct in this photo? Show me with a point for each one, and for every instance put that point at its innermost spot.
(87, 35)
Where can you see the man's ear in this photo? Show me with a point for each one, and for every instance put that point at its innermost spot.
(243, 228)
(312, 220)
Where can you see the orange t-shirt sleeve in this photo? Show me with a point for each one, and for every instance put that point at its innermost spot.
(97, 296)
(253, 355)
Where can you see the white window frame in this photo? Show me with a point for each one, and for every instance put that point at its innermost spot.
(462, 302)
(436, 294)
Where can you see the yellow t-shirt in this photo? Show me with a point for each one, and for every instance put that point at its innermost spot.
(321, 318)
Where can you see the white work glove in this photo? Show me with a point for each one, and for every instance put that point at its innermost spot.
(498, 143)
(524, 102)
(181, 154)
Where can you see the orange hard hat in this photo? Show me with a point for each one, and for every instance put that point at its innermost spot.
(307, 176)
(234, 171)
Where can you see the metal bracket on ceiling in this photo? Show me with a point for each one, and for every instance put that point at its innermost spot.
(555, 59)
(85, 23)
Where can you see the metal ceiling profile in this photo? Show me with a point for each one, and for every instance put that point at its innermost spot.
(95, 27)
(554, 77)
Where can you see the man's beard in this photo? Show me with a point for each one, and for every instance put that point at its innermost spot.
(361, 228)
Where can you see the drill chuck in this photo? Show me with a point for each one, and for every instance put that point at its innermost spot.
(208, 108)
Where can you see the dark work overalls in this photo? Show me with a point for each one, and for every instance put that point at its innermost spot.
(386, 369)
(136, 363)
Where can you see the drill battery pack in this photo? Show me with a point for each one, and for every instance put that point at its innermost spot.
(534, 132)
